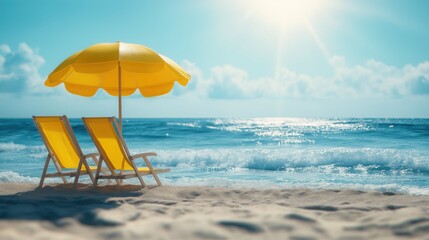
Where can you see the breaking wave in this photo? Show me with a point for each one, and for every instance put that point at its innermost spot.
(331, 159)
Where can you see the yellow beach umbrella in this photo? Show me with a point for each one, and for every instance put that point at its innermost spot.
(120, 69)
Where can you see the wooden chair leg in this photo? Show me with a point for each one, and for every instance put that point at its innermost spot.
(57, 166)
(121, 181)
(45, 169)
(139, 177)
(149, 165)
(91, 175)
(141, 180)
(156, 179)
(97, 174)
(79, 168)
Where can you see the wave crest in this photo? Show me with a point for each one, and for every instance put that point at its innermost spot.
(359, 159)
(14, 177)
(11, 146)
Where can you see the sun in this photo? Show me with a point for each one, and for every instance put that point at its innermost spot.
(284, 13)
(287, 16)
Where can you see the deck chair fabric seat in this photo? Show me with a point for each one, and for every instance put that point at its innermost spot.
(114, 152)
(63, 149)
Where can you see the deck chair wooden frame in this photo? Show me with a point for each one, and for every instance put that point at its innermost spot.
(119, 173)
(51, 156)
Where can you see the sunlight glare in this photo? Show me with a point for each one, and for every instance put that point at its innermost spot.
(285, 13)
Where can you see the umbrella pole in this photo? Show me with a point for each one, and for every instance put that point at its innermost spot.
(120, 98)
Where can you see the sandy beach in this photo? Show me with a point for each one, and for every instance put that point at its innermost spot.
(169, 212)
(256, 119)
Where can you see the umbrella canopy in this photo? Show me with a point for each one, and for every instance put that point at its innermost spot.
(120, 69)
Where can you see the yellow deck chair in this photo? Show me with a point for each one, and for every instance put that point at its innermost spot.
(63, 149)
(114, 152)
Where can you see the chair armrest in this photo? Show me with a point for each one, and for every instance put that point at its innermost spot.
(143, 155)
(145, 159)
(93, 156)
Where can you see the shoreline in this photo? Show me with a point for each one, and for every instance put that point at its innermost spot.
(171, 212)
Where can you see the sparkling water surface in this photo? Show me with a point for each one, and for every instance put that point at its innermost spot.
(364, 154)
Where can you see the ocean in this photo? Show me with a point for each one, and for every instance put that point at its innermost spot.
(355, 153)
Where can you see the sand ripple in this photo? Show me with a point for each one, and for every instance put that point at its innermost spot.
(110, 212)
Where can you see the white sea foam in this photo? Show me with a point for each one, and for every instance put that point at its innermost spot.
(242, 179)
(359, 159)
(15, 147)
(14, 177)
(11, 146)
(269, 184)
(38, 155)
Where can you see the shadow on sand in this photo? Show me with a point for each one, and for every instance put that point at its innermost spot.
(58, 203)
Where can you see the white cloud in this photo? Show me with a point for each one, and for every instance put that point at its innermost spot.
(371, 79)
(19, 70)
(19, 74)
(5, 49)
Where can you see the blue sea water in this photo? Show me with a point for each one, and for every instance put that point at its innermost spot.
(364, 154)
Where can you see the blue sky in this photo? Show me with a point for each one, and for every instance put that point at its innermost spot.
(320, 58)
